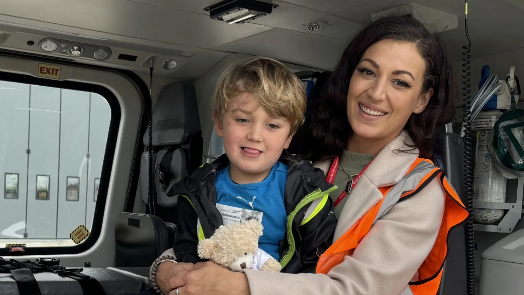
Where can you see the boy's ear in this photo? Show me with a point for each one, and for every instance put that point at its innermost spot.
(288, 141)
(219, 129)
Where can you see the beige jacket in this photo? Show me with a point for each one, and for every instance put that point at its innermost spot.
(397, 244)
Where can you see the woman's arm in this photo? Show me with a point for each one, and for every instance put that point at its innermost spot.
(384, 262)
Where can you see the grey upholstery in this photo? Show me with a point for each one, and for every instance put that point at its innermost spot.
(177, 134)
(450, 150)
(140, 239)
(216, 147)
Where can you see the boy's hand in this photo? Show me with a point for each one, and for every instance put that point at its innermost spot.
(169, 270)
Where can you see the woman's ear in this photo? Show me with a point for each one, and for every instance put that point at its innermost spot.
(423, 101)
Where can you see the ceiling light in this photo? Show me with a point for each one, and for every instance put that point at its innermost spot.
(239, 11)
(48, 45)
(169, 64)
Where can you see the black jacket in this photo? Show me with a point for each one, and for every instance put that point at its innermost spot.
(306, 188)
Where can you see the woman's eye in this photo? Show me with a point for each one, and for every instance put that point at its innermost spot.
(402, 83)
(366, 72)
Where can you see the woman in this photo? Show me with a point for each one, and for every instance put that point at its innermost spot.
(376, 120)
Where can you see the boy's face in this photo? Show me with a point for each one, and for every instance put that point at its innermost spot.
(253, 140)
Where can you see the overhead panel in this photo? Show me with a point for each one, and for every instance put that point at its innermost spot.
(132, 19)
(325, 6)
(294, 47)
(297, 18)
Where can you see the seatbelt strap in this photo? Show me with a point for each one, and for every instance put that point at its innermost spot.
(22, 272)
(164, 169)
(25, 281)
(89, 285)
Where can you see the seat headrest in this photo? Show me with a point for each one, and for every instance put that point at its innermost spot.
(175, 115)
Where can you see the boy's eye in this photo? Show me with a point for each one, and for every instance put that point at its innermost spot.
(242, 120)
(273, 126)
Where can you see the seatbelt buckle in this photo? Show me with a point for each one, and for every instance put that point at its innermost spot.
(162, 180)
(63, 271)
(48, 261)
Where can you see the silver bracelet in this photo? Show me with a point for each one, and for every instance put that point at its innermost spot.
(154, 268)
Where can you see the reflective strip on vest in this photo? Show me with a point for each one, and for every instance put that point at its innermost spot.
(417, 177)
(315, 207)
(200, 231)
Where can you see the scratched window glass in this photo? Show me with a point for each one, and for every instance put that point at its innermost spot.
(52, 146)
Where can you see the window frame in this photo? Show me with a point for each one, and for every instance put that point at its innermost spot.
(17, 186)
(112, 137)
(48, 187)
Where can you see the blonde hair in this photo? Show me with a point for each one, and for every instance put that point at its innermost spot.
(278, 90)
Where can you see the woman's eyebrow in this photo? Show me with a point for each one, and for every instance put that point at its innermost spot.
(400, 72)
(371, 62)
(397, 72)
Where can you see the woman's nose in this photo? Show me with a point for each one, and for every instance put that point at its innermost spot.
(378, 89)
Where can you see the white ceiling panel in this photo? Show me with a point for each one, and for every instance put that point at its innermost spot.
(361, 12)
(305, 49)
(134, 19)
(199, 64)
(285, 16)
(325, 5)
(195, 6)
(296, 18)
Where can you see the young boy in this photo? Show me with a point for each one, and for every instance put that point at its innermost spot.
(258, 106)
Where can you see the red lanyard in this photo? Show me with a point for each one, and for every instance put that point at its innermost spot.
(330, 178)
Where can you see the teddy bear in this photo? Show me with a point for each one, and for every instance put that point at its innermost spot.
(235, 246)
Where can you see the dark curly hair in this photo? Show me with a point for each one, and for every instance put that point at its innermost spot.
(327, 129)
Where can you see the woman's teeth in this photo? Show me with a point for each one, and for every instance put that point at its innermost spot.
(370, 112)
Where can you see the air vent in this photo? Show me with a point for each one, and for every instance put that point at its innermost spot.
(127, 57)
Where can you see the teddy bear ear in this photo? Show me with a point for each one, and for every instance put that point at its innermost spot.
(206, 248)
(255, 226)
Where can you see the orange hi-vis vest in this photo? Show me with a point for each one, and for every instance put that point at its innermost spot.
(418, 176)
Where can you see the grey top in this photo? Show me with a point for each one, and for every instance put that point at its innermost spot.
(350, 164)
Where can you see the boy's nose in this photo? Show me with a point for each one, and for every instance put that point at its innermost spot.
(254, 134)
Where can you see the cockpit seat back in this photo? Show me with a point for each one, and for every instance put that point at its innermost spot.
(177, 145)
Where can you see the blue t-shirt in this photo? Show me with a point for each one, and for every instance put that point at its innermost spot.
(240, 202)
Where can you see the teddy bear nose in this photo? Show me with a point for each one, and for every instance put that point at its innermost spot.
(243, 265)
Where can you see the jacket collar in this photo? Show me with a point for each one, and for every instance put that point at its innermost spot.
(386, 169)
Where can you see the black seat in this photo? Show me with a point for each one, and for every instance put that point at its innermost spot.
(177, 142)
(449, 152)
(140, 239)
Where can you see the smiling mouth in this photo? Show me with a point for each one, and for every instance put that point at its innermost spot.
(370, 111)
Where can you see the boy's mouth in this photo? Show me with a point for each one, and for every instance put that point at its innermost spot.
(251, 151)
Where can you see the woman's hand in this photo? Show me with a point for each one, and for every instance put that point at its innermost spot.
(168, 271)
(208, 278)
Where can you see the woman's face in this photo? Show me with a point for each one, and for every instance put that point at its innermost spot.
(385, 89)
